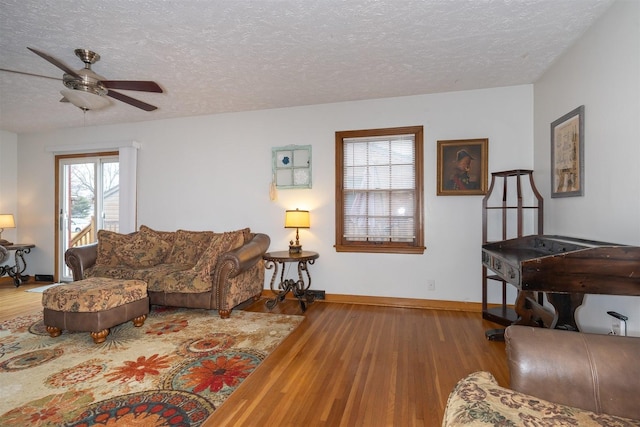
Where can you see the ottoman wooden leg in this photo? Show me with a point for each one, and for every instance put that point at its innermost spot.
(100, 336)
(53, 331)
(139, 321)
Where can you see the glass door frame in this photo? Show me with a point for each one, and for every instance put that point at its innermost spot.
(60, 162)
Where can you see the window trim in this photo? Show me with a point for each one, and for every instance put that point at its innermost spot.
(416, 247)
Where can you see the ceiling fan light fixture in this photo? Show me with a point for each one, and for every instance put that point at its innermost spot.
(85, 100)
(88, 90)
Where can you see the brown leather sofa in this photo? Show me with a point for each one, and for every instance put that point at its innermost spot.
(599, 373)
(214, 277)
(557, 378)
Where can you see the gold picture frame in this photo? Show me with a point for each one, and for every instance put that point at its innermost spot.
(463, 167)
(567, 154)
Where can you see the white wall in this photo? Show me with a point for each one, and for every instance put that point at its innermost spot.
(8, 180)
(213, 173)
(601, 72)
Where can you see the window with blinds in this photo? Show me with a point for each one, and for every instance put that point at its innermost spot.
(379, 200)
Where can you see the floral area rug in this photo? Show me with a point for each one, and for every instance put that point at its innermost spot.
(175, 370)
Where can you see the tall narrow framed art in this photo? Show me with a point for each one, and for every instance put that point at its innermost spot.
(567, 154)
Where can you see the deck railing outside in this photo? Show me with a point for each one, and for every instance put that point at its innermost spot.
(88, 234)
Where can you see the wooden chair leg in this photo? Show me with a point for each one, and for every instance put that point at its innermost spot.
(100, 336)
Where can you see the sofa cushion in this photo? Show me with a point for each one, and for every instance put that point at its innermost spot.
(220, 243)
(188, 246)
(478, 400)
(157, 277)
(182, 282)
(247, 235)
(109, 245)
(160, 278)
(167, 236)
(114, 271)
(145, 249)
(154, 276)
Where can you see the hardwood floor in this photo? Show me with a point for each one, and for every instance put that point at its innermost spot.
(16, 301)
(348, 364)
(360, 365)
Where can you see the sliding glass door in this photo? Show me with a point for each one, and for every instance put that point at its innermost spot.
(88, 188)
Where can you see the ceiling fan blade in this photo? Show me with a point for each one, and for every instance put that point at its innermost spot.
(30, 74)
(55, 62)
(131, 101)
(141, 85)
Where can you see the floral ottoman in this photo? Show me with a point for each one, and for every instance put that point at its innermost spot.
(94, 305)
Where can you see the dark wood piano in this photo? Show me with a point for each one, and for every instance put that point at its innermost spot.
(565, 269)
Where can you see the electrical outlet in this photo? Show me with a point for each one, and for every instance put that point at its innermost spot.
(317, 294)
(622, 328)
(431, 285)
(615, 327)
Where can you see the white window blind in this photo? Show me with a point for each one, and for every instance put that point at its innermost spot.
(379, 189)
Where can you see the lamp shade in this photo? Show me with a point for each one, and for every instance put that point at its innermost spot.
(7, 221)
(297, 219)
(85, 100)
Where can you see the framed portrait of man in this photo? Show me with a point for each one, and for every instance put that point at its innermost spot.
(462, 167)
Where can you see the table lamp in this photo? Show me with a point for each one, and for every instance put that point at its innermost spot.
(296, 219)
(6, 221)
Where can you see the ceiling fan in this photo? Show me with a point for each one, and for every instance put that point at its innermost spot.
(88, 91)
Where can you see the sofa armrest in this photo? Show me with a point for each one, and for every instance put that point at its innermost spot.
(247, 255)
(239, 274)
(598, 373)
(80, 258)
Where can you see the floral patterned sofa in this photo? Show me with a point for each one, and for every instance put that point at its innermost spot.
(195, 269)
(558, 378)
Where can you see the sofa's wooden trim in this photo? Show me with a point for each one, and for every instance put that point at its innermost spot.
(474, 307)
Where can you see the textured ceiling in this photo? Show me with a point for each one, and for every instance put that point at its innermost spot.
(237, 55)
